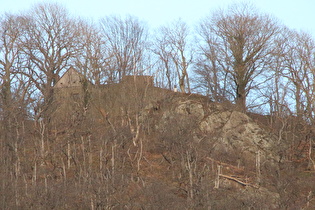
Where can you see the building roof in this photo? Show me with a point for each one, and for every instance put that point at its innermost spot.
(71, 78)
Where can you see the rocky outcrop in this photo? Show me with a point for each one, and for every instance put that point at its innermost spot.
(227, 128)
(227, 137)
(236, 130)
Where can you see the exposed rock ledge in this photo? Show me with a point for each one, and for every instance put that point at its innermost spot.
(229, 129)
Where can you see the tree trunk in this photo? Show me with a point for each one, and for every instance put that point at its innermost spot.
(241, 97)
(182, 83)
(298, 103)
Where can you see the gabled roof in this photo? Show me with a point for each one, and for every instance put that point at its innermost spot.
(71, 78)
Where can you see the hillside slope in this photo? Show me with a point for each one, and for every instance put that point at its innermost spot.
(178, 152)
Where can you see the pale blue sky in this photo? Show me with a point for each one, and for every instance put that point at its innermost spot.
(296, 14)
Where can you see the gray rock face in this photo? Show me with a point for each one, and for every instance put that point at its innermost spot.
(229, 129)
(222, 134)
(190, 108)
(214, 121)
(237, 130)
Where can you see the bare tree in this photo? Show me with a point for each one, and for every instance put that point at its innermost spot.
(244, 40)
(127, 41)
(171, 47)
(93, 59)
(9, 49)
(277, 93)
(14, 89)
(14, 100)
(49, 42)
(164, 67)
(211, 79)
(300, 64)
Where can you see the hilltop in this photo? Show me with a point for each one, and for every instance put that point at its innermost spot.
(150, 148)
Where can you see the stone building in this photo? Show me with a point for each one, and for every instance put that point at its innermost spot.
(76, 98)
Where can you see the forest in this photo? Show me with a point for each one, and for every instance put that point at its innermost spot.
(238, 57)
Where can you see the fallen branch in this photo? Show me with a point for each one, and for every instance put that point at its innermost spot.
(238, 181)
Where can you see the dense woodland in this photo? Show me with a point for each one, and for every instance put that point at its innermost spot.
(238, 56)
